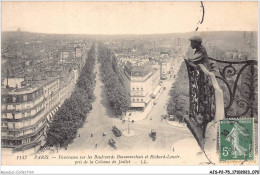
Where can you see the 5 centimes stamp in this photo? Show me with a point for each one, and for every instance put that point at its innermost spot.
(236, 139)
(128, 83)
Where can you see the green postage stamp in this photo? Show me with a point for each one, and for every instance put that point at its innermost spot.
(236, 139)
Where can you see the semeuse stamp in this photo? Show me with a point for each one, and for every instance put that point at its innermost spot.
(236, 139)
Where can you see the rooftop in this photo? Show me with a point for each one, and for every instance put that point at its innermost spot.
(138, 68)
(29, 87)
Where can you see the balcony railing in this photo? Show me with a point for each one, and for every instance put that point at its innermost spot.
(206, 100)
(228, 91)
(238, 80)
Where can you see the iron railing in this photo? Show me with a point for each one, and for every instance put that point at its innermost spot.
(206, 97)
(228, 90)
(238, 80)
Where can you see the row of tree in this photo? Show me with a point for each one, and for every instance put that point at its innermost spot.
(117, 95)
(178, 103)
(72, 114)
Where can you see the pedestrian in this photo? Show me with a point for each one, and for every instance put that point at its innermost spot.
(200, 56)
(79, 135)
(91, 135)
(96, 145)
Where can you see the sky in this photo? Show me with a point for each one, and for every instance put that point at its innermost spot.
(128, 17)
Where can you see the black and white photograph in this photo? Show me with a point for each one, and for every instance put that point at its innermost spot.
(91, 83)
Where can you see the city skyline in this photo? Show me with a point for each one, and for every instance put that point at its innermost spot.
(110, 18)
(129, 83)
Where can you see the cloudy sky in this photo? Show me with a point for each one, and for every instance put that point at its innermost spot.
(128, 17)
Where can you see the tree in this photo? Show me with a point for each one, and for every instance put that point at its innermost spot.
(117, 95)
(178, 102)
(72, 114)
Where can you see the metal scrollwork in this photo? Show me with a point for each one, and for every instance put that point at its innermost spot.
(202, 99)
(228, 71)
(239, 82)
(242, 103)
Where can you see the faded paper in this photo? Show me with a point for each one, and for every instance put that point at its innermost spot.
(41, 34)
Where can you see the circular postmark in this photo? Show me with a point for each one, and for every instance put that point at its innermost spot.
(229, 141)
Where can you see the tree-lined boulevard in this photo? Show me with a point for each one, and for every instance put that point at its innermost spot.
(101, 119)
(73, 112)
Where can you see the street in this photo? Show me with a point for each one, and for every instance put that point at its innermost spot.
(97, 121)
(101, 120)
(169, 139)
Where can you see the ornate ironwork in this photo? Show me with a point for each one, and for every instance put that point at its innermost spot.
(202, 96)
(238, 80)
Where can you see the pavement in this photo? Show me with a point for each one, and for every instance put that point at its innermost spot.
(101, 119)
(189, 150)
(141, 115)
(128, 134)
(177, 124)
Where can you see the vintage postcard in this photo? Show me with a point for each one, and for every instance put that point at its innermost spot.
(129, 83)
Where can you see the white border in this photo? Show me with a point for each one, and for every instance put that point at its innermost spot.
(123, 169)
(127, 169)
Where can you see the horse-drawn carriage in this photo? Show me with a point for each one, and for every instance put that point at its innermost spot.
(116, 131)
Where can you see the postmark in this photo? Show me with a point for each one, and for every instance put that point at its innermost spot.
(236, 140)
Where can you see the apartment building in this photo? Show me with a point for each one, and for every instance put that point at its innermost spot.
(28, 108)
(140, 80)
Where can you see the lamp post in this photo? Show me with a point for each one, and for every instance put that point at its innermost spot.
(128, 121)
(128, 132)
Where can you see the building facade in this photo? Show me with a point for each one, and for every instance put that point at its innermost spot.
(140, 80)
(164, 68)
(66, 55)
(78, 52)
(26, 111)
